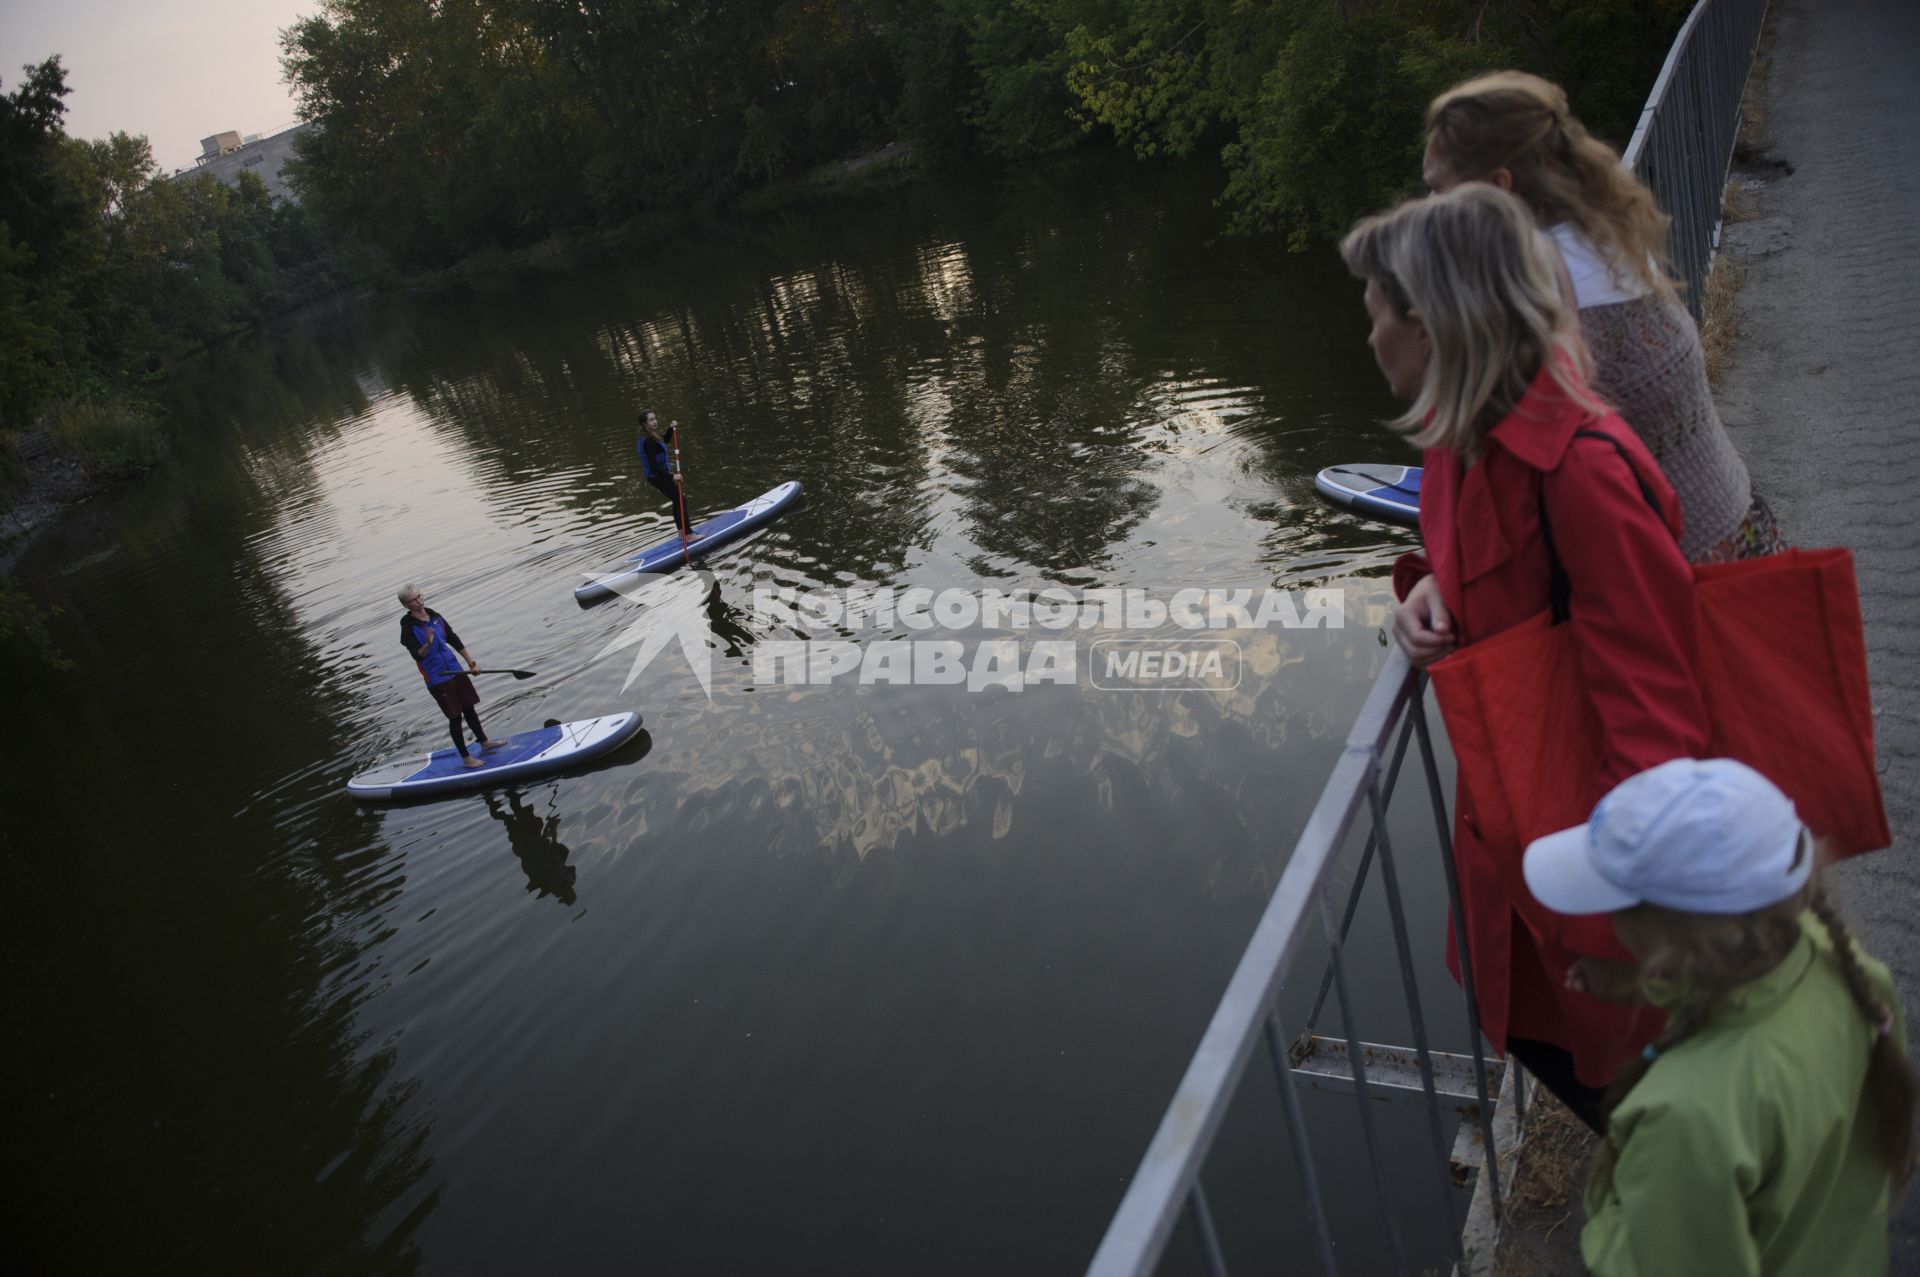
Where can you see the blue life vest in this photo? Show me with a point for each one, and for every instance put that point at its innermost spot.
(439, 663)
(654, 461)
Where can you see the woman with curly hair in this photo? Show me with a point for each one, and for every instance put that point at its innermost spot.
(1513, 130)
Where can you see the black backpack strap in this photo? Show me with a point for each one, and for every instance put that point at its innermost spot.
(1559, 591)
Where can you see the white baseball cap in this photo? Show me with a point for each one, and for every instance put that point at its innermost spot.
(1698, 835)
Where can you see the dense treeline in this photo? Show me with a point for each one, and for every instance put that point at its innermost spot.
(462, 125)
(109, 273)
(457, 126)
(470, 124)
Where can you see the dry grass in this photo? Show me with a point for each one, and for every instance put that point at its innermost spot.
(1553, 1161)
(1719, 327)
(1539, 1235)
(1755, 138)
(1719, 321)
(1733, 203)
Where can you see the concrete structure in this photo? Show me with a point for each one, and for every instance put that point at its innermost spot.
(1823, 391)
(227, 155)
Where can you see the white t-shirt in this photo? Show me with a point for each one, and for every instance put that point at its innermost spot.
(1595, 281)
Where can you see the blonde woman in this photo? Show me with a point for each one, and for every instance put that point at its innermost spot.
(1514, 131)
(431, 642)
(1526, 469)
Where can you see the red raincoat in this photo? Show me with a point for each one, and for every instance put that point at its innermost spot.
(1632, 613)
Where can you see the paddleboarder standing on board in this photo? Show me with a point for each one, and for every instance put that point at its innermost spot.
(431, 642)
(657, 466)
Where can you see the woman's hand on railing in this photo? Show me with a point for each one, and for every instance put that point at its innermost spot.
(1423, 626)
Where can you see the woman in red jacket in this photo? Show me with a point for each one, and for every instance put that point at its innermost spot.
(1469, 326)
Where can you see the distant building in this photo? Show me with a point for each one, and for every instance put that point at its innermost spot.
(227, 155)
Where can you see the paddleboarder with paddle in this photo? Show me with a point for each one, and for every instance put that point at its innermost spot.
(660, 466)
(432, 644)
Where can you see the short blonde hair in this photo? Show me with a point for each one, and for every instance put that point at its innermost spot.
(407, 591)
(1518, 122)
(1481, 277)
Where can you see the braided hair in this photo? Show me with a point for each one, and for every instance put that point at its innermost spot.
(1890, 1084)
(1712, 955)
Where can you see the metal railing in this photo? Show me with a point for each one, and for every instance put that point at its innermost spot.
(1681, 148)
(1683, 145)
(1167, 1184)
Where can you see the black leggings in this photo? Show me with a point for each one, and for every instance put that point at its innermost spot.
(1552, 1066)
(473, 721)
(671, 491)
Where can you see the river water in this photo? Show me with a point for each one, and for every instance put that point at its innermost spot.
(840, 978)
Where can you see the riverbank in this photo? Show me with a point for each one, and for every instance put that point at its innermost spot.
(882, 168)
(78, 452)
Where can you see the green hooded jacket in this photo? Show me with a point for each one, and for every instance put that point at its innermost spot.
(1749, 1147)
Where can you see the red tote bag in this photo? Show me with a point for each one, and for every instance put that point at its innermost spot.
(1783, 671)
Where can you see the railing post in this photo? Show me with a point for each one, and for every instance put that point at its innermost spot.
(1359, 881)
(1356, 1061)
(1302, 1150)
(1417, 708)
(1203, 1224)
(1390, 882)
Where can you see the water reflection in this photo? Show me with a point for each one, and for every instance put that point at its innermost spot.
(190, 906)
(1019, 395)
(535, 840)
(858, 769)
(902, 947)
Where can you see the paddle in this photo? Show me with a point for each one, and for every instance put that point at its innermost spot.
(515, 673)
(680, 516)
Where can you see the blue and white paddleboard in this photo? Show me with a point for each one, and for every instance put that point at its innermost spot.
(1390, 494)
(524, 756)
(666, 554)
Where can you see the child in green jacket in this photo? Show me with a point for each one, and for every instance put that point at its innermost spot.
(1761, 1131)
